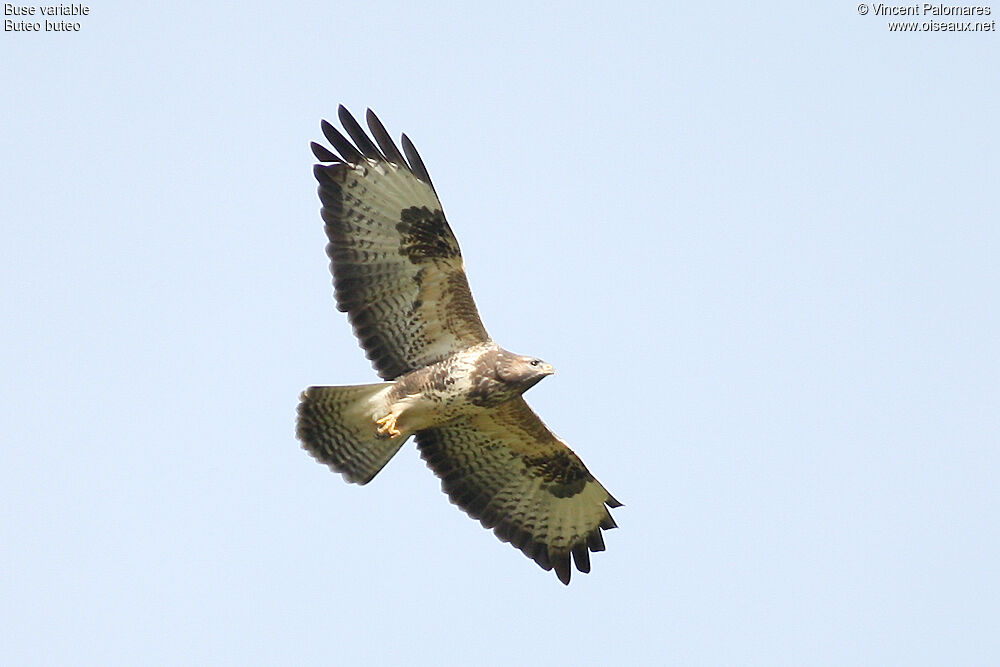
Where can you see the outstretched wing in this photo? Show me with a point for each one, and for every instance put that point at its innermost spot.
(505, 468)
(397, 269)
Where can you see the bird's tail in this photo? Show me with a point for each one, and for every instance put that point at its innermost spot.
(337, 426)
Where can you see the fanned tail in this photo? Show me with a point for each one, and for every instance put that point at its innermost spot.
(337, 426)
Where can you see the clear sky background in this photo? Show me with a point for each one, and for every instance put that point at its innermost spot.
(759, 243)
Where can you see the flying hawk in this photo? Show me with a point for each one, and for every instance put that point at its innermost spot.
(398, 274)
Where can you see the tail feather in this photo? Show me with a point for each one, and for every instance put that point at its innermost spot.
(336, 425)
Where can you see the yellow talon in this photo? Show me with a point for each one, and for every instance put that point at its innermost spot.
(387, 426)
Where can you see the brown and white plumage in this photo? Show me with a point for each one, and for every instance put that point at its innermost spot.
(396, 263)
(505, 468)
(398, 274)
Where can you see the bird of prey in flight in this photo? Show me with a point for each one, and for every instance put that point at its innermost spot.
(399, 276)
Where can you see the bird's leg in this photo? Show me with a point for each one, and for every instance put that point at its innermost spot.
(387, 426)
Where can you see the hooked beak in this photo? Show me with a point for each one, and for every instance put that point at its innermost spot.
(548, 369)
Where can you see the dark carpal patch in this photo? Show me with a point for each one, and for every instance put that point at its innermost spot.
(563, 474)
(425, 235)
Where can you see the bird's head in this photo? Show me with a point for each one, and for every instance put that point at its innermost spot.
(522, 371)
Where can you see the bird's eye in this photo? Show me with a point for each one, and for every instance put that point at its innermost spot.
(534, 362)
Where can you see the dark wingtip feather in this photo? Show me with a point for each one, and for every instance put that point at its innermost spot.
(327, 128)
(560, 561)
(347, 151)
(540, 554)
(611, 502)
(322, 153)
(581, 556)
(385, 141)
(359, 136)
(416, 164)
(322, 174)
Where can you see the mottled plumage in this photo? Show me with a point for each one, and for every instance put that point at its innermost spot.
(398, 274)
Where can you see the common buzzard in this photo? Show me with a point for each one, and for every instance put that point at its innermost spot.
(398, 274)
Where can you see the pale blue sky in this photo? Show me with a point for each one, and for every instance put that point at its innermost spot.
(760, 246)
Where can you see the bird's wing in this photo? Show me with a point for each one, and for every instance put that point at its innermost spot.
(504, 467)
(397, 269)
